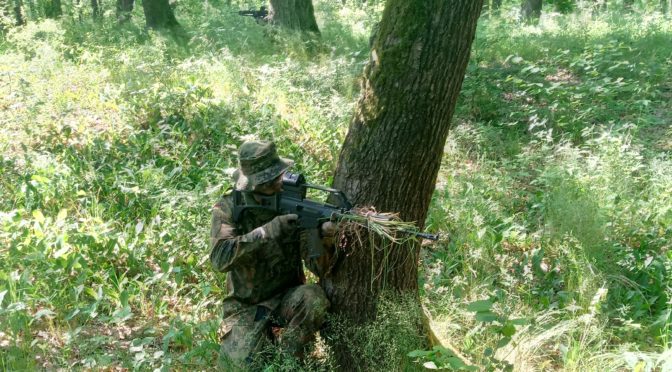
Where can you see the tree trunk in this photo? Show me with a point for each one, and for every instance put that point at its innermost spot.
(18, 13)
(53, 9)
(531, 9)
(95, 9)
(124, 9)
(159, 14)
(32, 10)
(664, 6)
(392, 153)
(599, 6)
(492, 6)
(296, 15)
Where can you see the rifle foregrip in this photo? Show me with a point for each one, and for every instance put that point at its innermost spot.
(314, 242)
(427, 236)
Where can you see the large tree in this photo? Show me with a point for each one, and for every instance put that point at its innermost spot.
(95, 9)
(531, 9)
(159, 14)
(392, 153)
(124, 9)
(53, 9)
(492, 6)
(11, 9)
(296, 15)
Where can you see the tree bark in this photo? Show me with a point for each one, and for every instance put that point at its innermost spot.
(531, 9)
(296, 15)
(124, 9)
(159, 14)
(18, 13)
(53, 9)
(492, 6)
(95, 9)
(392, 153)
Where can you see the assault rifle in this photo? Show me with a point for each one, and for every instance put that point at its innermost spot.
(256, 14)
(312, 214)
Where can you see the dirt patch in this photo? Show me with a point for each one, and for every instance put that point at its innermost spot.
(563, 76)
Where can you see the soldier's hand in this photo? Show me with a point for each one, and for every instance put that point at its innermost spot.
(328, 229)
(281, 226)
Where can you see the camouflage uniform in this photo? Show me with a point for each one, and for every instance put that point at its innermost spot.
(265, 275)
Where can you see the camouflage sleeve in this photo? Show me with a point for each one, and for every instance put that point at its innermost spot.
(227, 248)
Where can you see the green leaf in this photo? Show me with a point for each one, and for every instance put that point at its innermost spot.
(456, 363)
(122, 315)
(503, 342)
(65, 249)
(123, 298)
(482, 305)
(72, 314)
(139, 227)
(43, 313)
(38, 216)
(62, 214)
(509, 329)
(418, 353)
(430, 365)
(519, 321)
(39, 179)
(486, 316)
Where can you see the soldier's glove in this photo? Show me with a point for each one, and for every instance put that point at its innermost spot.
(281, 226)
(328, 229)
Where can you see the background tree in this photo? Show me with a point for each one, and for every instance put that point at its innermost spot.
(531, 9)
(124, 9)
(95, 9)
(18, 12)
(293, 14)
(391, 155)
(53, 9)
(664, 6)
(492, 6)
(159, 14)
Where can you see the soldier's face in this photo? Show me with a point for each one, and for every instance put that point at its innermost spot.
(272, 187)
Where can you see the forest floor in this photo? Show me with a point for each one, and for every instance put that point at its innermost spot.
(555, 187)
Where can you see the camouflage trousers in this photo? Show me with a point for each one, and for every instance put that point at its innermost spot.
(301, 311)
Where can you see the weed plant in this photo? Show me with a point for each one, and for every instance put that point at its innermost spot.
(554, 190)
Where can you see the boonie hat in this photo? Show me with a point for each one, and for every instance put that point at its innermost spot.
(258, 163)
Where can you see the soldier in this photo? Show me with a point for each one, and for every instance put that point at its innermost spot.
(261, 255)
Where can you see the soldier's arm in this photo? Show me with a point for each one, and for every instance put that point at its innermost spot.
(229, 249)
(321, 266)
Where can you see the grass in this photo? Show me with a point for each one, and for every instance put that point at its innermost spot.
(554, 189)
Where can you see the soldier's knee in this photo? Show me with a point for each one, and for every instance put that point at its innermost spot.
(315, 301)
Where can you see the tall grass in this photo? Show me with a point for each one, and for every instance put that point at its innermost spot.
(552, 190)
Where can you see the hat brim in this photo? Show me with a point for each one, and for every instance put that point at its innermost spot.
(248, 182)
